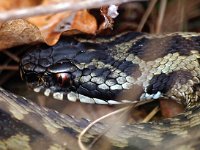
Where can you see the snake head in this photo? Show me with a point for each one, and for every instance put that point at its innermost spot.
(73, 69)
(43, 68)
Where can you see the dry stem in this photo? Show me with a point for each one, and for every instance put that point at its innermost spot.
(59, 7)
(146, 15)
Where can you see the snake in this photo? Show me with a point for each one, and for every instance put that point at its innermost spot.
(105, 70)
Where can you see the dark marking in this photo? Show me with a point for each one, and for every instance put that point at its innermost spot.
(90, 86)
(133, 70)
(133, 93)
(196, 90)
(10, 126)
(93, 46)
(138, 143)
(97, 92)
(151, 49)
(71, 131)
(164, 82)
(83, 90)
(31, 77)
(128, 67)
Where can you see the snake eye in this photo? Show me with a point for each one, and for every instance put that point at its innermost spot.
(64, 79)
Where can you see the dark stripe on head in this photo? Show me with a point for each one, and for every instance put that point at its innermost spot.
(125, 38)
(96, 43)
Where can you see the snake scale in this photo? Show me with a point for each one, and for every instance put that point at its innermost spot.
(103, 71)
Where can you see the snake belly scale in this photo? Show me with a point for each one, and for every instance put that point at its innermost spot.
(99, 71)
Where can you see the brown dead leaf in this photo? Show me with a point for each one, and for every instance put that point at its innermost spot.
(13, 4)
(53, 25)
(47, 25)
(84, 22)
(50, 26)
(18, 32)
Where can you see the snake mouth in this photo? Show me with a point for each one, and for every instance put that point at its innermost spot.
(75, 97)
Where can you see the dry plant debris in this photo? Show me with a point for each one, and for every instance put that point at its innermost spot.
(48, 28)
(109, 13)
(18, 32)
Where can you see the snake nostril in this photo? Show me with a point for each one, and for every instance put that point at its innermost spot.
(32, 78)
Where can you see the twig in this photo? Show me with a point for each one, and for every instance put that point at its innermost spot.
(146, 15)
(151, 114)
(13, 56)
(82, 147)
(110, 128)
(181, 5)
(59, 7)
(163, 5)
(4, 67)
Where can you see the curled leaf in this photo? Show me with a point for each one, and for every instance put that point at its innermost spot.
(48, 27)
(18, 32)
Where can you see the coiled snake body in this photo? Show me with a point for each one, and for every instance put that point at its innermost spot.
(102, 71)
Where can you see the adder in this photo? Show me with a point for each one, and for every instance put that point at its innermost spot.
(102, 71)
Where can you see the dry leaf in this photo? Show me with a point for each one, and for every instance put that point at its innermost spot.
(18, 32)
(16, 4)
(52, 26)
(84, 22)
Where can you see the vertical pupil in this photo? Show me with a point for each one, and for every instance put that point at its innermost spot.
(60, 80)
(63, 79)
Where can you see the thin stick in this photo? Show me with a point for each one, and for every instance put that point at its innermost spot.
(110, 128)
(13, 68)
(13, 56)
(146, 15)
(161, 15)
(82, 147)
(151, 114)
(182, 5)
(59, 7)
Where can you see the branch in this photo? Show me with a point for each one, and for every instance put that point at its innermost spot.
(56, 8)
